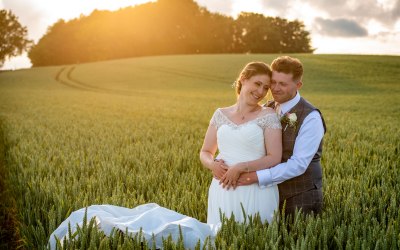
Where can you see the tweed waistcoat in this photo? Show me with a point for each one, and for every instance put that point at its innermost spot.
(312, 177)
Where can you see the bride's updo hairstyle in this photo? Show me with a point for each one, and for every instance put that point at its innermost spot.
(250, 70)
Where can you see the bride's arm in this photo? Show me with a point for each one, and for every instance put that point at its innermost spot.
(273, 146)
(207, 153)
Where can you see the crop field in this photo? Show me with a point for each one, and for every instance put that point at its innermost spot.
(129, 132)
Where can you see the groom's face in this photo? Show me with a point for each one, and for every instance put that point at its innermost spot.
(283, 86)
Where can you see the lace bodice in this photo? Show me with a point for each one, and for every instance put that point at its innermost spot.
(243, 142)
(269, 120)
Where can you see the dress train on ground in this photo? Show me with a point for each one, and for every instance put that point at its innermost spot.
(151, 218)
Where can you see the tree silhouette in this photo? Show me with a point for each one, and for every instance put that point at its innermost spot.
(165, 27)
(256, 33)
(13, 39)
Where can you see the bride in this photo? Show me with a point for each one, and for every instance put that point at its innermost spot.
(248, 138)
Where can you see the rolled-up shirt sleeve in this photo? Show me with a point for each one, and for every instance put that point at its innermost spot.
(306, 145)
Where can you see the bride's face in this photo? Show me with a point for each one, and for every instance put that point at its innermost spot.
(255, 88)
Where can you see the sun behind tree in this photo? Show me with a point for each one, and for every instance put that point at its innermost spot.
(165, 27)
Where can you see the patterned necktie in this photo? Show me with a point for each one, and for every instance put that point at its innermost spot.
(278, 109)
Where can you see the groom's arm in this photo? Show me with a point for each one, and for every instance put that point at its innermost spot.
(305, 147)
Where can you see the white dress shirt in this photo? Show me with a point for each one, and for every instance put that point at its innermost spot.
(306, 145)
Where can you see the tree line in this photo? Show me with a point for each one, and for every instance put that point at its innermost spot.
(165, 27)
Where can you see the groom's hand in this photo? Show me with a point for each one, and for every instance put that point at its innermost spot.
(247, 179)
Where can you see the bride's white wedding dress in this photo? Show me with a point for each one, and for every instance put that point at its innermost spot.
(155, 222)
(242, 143)
(236, 143)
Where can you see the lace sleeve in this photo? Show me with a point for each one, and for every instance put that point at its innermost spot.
(270, 120)
(217, 119)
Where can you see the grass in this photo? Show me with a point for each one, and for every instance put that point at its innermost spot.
(128, 132)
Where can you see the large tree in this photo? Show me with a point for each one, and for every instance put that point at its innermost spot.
(256, 33)
(165, 27)
(13, 36)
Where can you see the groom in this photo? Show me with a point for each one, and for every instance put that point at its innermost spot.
(299, 175)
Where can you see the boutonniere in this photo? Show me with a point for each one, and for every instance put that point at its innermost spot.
(290, 119)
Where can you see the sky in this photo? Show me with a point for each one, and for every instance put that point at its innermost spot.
(336, 27)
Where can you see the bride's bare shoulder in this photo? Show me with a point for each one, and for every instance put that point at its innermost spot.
(227, 110)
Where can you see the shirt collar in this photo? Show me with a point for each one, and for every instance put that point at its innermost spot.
(286, 106)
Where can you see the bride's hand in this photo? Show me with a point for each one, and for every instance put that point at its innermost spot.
(230, 177)
(219, 168)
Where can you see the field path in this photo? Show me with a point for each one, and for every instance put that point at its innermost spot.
(64, 76)
(59, 79)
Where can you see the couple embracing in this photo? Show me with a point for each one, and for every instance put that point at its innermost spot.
(269, 159)
(269, 156)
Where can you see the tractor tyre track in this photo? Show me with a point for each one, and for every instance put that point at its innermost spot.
(94, 88)
(64, 76)
(59, 79)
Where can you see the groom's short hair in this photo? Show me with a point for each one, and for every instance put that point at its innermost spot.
(288, 65)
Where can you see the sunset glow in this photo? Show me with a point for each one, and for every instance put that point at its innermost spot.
(345, 27)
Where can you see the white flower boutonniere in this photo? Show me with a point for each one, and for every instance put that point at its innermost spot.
(290, 119)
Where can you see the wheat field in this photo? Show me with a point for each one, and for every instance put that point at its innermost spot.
(128, 132)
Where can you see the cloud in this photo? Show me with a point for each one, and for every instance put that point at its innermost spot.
(275, 4)
(223, 7)
(396, 11)
(387, 36)
(384, 11)
(29, 15)
(339, 27)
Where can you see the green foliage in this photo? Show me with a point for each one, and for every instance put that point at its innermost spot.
(128, 132)
(162, 28)
(13, 36)
(257, 33)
